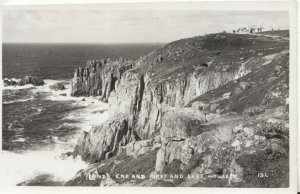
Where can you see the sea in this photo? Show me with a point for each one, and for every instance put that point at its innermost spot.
(40, 126)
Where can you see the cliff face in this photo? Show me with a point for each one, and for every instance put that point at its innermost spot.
(98, 78)
(145, 97)
(171, 76)
(187, 100)
(137, 96)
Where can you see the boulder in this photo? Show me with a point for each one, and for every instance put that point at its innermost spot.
(138, 148)
(178, 124)
(213, 107)
(198, 105)
(236, 173)
(64, 156)
(58, 86)
(237, 90)
(277, 69)
(244, 85)
(160, 159)
(226, 68)
(10, 82)
(36, 81)
(271, 79)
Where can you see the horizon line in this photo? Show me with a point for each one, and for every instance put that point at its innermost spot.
(106, 43)
(85, 42)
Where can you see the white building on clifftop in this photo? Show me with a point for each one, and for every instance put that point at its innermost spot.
(249, 29)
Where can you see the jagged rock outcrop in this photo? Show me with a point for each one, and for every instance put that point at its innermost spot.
(98, 77)
(36, 81)
(177, 126)
(104, 141)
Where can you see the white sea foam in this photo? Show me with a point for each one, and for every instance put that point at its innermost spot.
(48, 84)
(12, 79)
(93, 113)
(43, 88)
(17, 168)
(19, 140)
(18, 100)
(24, 167)
(56, 95)
(16, 87)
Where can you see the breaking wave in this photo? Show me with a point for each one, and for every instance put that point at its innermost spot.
(17, 87)
(18, 100)
(26, 166)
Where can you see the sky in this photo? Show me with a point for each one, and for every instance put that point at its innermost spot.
(127, 26)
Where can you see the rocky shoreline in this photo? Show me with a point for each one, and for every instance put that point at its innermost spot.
(207, 106)
(36, 81)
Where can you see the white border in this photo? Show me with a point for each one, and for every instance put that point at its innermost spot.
(203, 5)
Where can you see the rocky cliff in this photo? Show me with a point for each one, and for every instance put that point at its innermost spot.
(98, 77)
(104, 141)
(185, 102)
(172, 75)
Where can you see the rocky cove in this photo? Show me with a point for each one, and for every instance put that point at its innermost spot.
(204, 106)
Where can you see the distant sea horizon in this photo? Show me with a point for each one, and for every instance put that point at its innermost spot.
(58, 60)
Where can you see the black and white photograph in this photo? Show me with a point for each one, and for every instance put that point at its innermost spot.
(146, 95)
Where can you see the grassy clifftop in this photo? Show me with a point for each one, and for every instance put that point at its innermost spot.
(187, 55)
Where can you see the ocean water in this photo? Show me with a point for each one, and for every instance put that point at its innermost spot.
(40, 125)
(58, 61)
